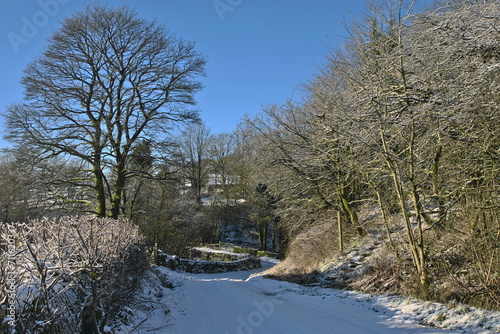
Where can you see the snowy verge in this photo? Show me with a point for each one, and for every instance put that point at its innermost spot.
(353, 265)
(459, 317)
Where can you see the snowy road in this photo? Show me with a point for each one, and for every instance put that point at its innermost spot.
(233, 303)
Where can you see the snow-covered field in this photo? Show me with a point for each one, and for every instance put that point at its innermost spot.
(243, 302)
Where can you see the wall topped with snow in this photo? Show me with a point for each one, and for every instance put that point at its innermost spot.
(209, 267)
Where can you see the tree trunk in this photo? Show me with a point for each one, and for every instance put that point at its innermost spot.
(385, 219)
(419, 245)
(118, 191)
(263, 236)
(353, 216)
(435, 183)
(100, 208)
(416, 245)
(339, 224)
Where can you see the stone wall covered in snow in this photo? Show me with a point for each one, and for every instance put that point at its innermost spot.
(209, 267)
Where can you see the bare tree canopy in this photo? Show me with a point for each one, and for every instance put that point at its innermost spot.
(106, 80)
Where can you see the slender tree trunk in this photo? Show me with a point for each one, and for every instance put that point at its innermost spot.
(435, 182)
(419, 242)
(263, 236)
(341, 231)
(416, 245)
(276, 234)
(386, 222)
(99, 190)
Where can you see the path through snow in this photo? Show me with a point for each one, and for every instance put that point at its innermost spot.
(245, 303)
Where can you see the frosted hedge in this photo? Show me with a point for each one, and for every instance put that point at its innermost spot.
(67, 274)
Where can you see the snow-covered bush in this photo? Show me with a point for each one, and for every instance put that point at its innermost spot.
(69, 274)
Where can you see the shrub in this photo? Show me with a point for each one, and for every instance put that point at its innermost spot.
(70, 274)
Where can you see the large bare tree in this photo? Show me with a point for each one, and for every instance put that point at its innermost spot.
(106, 80)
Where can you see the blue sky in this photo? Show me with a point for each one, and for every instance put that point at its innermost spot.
(259, 51)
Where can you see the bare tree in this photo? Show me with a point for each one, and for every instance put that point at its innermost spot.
(221, 152)
(106, 80)
(193, 147)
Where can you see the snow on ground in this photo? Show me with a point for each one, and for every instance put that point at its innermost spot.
(244, 302)
(219, 251)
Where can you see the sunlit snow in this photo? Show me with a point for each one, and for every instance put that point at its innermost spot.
(244, 302)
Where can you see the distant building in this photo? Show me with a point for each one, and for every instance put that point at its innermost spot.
(216, 180)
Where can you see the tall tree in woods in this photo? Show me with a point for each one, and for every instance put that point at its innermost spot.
(106, 80)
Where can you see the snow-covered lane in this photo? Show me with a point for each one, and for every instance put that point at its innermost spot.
(233, 303)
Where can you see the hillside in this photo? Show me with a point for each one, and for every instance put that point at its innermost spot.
(378, 262)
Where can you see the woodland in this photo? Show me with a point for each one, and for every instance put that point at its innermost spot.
(397, 133)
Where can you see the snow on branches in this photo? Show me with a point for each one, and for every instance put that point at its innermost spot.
(67, 274)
